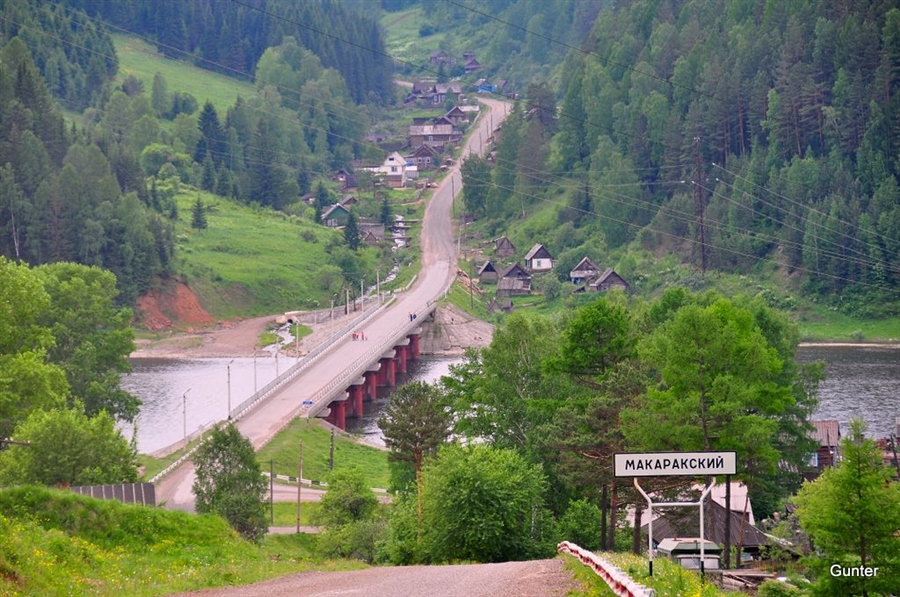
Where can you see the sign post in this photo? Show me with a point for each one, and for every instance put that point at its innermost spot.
(674, 464)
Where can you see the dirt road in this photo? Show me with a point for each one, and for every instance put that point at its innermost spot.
(538, 578)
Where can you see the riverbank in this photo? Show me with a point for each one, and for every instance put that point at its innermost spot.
(450, 333)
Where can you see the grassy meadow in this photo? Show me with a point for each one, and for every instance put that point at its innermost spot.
(284, 449)
(140, 58)
(402, 37)
(57, 543)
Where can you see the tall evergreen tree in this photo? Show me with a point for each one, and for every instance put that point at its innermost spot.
(351, 232)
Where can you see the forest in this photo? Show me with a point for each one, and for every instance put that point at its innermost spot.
(98, 188)
(750, 138)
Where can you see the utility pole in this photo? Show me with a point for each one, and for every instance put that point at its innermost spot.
(700, 204)
(331, 453)
(299, 484)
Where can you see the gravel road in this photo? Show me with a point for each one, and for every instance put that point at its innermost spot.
(538, 578)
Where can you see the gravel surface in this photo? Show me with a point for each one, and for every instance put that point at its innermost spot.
(538, 578)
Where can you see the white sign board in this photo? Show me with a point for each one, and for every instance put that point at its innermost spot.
(675, 464)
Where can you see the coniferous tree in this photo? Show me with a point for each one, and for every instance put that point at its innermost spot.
(198, 215)
(351, 232)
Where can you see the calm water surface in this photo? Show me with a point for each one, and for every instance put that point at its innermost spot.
(862, 382)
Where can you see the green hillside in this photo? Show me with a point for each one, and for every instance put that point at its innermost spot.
(139, 58)
(59, 543)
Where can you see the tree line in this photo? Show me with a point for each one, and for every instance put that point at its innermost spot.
(232, 36)
(735, 137)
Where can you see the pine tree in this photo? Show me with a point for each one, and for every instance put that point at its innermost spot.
(198, 215)
(351, 232)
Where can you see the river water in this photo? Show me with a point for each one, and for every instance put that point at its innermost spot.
(182, 396)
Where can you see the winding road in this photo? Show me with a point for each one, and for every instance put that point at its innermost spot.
(439, 254)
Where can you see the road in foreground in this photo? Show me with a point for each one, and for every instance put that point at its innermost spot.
(537, 578)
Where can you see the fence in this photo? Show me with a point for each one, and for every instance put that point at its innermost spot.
(129, 493)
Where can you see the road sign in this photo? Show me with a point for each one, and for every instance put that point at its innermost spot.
(675, 464)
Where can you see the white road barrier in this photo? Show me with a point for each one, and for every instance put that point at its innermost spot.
(620, 583)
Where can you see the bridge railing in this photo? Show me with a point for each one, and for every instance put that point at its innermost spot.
(259, 397)
(305, 362)
(322, 398)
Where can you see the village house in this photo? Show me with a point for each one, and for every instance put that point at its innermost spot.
(425, 157)
(608, 280)
(827, 435)
(514, 281)
(487, 272)
(456, 115)
(435, 135)
(584, 272)
(345, 178)
(445, 91)
(470, 64)
(539, 259)
(336, 216)
(503, 247)
(439, 57)
(395, 171)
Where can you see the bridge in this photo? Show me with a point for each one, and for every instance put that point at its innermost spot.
(336, 378)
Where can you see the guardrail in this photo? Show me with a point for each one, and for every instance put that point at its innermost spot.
(620, 583)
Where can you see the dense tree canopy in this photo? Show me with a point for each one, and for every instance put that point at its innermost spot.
(852, 513)
(67, 447)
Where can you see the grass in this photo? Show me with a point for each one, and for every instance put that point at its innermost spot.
(668, 580)
(286, 514)
(139, 58)
(348, 452)
(60, 543)
(252, 261)
(402, 37)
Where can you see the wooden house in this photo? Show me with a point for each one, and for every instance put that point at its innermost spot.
(345, 178)
(539, 259)
(608, 280)
(349, 201)
(585, 271)
(503, 247)
(425, 157)
(827, 435)
(336, 216)
(456, 115)
(435, 135)
(514, 281)
(446, 91)
(439, 57)
(487, 272)
(496, 306)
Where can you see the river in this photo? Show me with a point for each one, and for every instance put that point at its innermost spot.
(181, 396)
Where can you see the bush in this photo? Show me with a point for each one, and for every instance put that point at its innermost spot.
(774, 588)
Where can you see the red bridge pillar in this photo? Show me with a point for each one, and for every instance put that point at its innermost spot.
(402, 352)
(389, 365)
(339, 411)
(414, 346)
(356, 400)
(371, 385)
